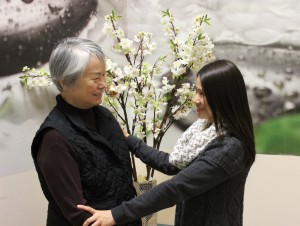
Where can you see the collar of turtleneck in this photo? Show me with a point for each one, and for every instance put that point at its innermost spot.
(87, 115)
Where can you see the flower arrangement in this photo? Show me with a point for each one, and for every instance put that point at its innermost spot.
(147, 98)
(142, 106)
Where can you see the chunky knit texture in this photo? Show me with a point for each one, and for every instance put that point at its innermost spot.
(192, 142)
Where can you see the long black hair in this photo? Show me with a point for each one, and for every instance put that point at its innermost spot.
(225, 91)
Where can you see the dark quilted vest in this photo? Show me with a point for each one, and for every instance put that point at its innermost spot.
(103, 159)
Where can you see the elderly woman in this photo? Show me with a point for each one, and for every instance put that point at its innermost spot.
(211, 160)
(79, 152)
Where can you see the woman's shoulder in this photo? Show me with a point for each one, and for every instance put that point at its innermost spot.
(228, 152)
(226, 144)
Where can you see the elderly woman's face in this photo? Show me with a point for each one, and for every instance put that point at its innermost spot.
(88, 90)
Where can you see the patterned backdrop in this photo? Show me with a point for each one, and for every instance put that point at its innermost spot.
(262, 38)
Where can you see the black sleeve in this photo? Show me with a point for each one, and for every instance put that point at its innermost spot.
(191, 181)
(158, 160)
(61, 172)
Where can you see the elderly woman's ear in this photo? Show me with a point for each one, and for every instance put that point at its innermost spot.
(61, 82)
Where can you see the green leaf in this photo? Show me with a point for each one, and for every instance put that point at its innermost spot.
(115, 17)
(166, 13)
(200, 36)
(206, 19)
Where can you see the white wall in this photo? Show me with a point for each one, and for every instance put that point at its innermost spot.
(272, 195)
(273, 192)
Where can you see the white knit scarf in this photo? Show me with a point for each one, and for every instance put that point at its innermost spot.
(192, 142)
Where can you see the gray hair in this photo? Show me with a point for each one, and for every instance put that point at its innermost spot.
(70, 58)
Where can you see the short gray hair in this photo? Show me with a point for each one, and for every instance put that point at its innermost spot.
(69, 59)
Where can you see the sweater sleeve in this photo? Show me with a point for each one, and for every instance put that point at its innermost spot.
(158, 160)
(217, 164)
(61, 172)
(194, 180)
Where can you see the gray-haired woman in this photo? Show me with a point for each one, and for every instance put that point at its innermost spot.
(79, 152)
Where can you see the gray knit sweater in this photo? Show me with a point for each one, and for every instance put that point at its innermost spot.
(208, 192)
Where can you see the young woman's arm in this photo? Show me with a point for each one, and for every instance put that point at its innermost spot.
(159, 160)
(191, 181)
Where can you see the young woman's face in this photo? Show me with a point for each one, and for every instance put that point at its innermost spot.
(88, 90)
(203, 109)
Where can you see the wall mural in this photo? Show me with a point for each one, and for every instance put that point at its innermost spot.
(262, 38)
(29, 28)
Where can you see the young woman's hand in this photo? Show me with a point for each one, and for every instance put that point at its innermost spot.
(99, 218)
(125, 133)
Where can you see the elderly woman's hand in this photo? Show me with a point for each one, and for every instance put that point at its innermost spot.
(99, 218)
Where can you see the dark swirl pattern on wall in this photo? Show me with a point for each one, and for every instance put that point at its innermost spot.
(30, 28)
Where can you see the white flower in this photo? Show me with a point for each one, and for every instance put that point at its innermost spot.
(110, 65)
(31, 83)
(120, 33)
(25, 68)
(121, 88)
(181, 114)
(108, 29)
(177, 71)
(126, 45)
(42, 81)
(119, 74)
